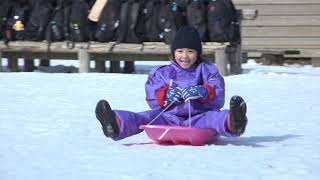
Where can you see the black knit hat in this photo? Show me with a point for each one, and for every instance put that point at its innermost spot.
(187, 37)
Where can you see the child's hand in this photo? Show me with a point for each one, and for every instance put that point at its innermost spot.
(194, 92)
(173, 95)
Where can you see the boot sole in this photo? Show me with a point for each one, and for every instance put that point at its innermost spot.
(106, 117)
(238, 111)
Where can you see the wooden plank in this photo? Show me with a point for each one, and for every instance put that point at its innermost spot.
(315, 62)
(111, 51)
(138, 57)
(298, 31)
(146, 57)
(276, 2)
(283, 9)
(103, 48)
(310, 53)
(280, 47)
(303, 52)
(281, 41)
(41, 55)
(283, 21)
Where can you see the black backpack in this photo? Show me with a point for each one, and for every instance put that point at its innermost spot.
(166, 22)
(135, 7)
(108, 21)
(140, 26)
(77, 22)
(129, 14)
(178, 10)
(55, 30)
(151, 19)
(196, 17)
(6, 10)
(171, 18)
(223, 25)
(162, 18)
(17, 20)
(38, 21)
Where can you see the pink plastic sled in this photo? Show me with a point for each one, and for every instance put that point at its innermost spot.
(177, 135)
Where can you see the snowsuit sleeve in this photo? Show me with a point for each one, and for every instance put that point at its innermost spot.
(214, 83)
(156, 89)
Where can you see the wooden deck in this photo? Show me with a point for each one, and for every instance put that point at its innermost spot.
(288, 25)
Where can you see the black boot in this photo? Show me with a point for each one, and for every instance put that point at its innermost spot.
(107, 119)
(238, 118)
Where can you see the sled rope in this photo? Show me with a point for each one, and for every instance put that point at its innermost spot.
(161, 112)
(170, 84)
(189, 103)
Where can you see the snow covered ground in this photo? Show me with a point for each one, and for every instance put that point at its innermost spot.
(48, 129)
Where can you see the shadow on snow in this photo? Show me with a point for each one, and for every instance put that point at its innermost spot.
(254, 141)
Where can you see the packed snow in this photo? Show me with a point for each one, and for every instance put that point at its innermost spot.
(48, 129)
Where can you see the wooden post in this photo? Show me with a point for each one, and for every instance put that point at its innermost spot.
(13, 63)
(235, 58)
(115, 66)
(28, 65)
(221, 61)
(128, 67)
(234, 50)
(100, 65)
(84, 59)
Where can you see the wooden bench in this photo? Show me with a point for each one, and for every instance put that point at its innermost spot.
(291, 27)
(100, 52)
(220, 53)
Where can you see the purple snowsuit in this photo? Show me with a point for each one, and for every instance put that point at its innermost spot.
(205, 113)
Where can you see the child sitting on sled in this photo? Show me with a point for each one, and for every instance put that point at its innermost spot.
(189, 83)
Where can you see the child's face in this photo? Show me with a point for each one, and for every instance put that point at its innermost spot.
(185, 57)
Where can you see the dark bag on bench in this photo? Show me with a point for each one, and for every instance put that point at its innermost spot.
(108, 21)
(162, 19)
(17, 20)
(38, 21)
(129, 15)
(135, 7)
(196, 16)
(6, 10)
(76, 17)
(151, 16)
(56, 27)
(223, 25)
(166, 21)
